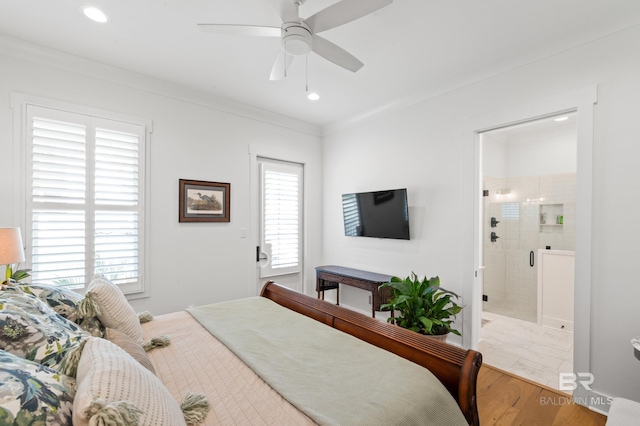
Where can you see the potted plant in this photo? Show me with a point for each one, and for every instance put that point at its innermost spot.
(16, 276)
(424, 307)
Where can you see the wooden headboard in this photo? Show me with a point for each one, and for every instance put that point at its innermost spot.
(455, 367)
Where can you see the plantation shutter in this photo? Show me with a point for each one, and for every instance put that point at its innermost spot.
(351, 214)
(85, 199)
(281, 217)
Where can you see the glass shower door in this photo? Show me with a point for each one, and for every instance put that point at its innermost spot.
(510, 245)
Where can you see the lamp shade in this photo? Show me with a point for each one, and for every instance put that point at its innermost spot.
(11, 248)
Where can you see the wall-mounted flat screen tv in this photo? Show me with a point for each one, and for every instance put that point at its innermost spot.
(377, 214)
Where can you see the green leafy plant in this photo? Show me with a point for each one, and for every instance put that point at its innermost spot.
(424, 307)
(20, 274)
(17, 275)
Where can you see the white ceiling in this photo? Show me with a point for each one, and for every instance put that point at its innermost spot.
(411, 48)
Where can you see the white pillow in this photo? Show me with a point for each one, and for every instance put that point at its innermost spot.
(132, 348)
(106, 373)
(115, 311)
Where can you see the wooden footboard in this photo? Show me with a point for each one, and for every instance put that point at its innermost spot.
(455, 367)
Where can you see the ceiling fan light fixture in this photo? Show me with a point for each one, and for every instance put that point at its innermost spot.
(313, 96)
(296, 39)
(299, 36)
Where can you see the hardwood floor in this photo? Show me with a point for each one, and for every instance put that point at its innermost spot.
(506, 399)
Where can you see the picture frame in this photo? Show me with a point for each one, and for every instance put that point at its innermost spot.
(202, 201)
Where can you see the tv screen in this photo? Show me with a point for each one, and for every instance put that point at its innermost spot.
(379, 214)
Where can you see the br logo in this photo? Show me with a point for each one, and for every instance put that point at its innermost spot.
(572, 381)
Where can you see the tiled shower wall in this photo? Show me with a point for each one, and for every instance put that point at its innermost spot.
(510, 282)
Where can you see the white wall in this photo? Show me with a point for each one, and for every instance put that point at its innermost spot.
(421, 147)
(545, 156)
(494, 155)
(193, 137)
(536, 157)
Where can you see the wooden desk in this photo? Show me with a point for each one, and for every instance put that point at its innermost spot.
(331, 276)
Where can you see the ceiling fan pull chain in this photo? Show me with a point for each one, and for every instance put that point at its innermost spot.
(306, 76)
(285, 57)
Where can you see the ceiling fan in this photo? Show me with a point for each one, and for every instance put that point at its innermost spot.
(299, 36)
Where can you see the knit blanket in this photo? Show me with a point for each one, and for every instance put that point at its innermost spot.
(332, 377)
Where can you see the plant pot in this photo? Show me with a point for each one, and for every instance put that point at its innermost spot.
(440, 337)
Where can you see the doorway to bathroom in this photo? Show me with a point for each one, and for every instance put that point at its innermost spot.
(528, 244)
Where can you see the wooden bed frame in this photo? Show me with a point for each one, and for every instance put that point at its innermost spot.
(455, 367)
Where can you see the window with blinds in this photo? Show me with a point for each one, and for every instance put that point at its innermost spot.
(85, 188)
(281, 217)
(510, 211)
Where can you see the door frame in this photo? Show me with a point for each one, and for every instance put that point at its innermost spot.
(582, 101)
(257, 151)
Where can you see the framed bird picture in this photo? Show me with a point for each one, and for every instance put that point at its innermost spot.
(201, 201)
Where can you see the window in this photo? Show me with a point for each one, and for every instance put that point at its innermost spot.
(510, 211)
(85, 193)
(281, 216)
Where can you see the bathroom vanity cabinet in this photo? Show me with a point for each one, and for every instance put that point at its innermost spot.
(555, 288)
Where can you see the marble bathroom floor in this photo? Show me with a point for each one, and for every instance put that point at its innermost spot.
(525, 348)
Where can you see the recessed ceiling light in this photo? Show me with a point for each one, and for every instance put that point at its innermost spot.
(561, 118)
(95, 14)
(313, 96)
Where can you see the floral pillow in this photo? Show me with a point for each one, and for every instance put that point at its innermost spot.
(14, 297)
(32, 330)
(32, 394)
(65, 302)
(60, 299)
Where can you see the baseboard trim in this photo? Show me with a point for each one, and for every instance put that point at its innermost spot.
(595, 401)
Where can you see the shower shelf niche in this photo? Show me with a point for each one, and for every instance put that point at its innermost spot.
(551, 216)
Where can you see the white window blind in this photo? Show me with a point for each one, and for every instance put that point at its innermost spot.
(351, 214)
(282, 216)
(510, 211)
(85, 199)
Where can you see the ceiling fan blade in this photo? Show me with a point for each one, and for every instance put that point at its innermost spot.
(243, 30)
(342, 12)
(280, 65)
(288, 10)
(335, 54)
